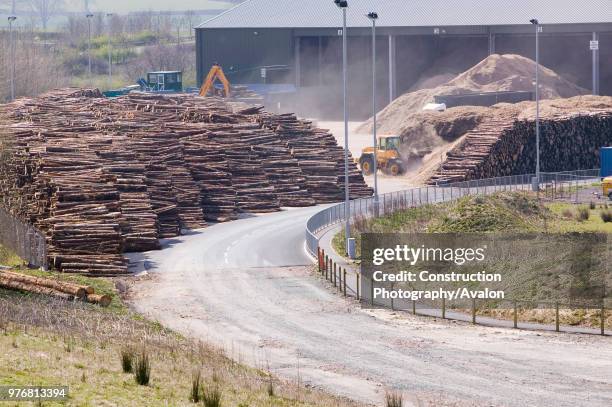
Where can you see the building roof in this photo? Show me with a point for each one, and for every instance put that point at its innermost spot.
(410, 13)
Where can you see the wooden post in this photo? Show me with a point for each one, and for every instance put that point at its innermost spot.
(319, 258)
(443, 308)
(603, 318)
(372, 292)
(339, 278)
(358, 294)
(557, 316)
(326, 267)
(413, 307)
(392, 303)
(515, 314)
(474, 311)
(344, 283)
(334, 273)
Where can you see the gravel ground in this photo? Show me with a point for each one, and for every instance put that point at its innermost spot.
(240, 285)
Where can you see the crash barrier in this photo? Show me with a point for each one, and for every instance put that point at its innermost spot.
(341, 280)
(560, 185)
(25, 240)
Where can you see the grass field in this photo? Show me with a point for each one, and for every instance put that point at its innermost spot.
(498, 213)
(508, 212)
(45, 341)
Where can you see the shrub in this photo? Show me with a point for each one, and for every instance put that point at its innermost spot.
(583, 214)
(606, 216)
(567, 214)
(196, 387)
(211, 396)
(393, 399)
(127, 359)
(592, 205)
(142, 372)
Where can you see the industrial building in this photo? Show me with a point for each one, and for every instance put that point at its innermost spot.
(298, 43)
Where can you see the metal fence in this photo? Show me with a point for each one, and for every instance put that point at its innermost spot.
(559, 185)
(25, 240)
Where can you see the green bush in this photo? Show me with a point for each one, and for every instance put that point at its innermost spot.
(142, 372)
(211, 396)
(583, 214)
(393, 399)
(606, 216)
(127, 359)
(196, 387)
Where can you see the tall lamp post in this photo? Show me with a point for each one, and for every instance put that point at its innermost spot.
(536, 23)
(109, 16)
(11, 19)
(89, 17)
(343, 4)
(373, 16)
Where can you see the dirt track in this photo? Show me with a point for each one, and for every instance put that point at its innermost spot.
(224, 286)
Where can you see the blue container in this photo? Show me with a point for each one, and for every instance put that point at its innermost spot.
(606, 161)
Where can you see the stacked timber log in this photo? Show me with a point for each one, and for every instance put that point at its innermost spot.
(56, 288)
(507, 147)
(319, 157)
(103, 176)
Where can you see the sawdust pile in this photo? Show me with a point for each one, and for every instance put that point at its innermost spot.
(495, 73)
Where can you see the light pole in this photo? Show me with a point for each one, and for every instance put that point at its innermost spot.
(109, 16)
(11, 19)
(536, 23)
(343, 4)
(373, 16)
(89, 17)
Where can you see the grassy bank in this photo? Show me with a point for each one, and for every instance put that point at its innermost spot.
(504, 212)
(46, 341)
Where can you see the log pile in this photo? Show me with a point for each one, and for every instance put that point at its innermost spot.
(569, 141)
(56, 288)
(104, 176)
(319, 157)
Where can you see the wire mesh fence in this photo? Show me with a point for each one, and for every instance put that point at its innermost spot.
(23, 239)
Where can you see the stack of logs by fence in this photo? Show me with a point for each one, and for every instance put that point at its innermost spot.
(508, 147)
(103, 176)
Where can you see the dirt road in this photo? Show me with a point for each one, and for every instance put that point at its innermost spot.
(240, 285)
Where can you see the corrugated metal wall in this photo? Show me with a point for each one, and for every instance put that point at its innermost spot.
(242, 52)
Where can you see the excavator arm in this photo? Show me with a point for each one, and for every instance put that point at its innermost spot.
(215, 73)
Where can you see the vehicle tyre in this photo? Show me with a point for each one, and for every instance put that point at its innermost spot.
(396, 168)
(367, 165)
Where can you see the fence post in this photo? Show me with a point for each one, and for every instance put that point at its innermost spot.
(358, 278)
(372, 292)
(327, 267)
(443, 308)
(334, 276)
(603, 318)
(344, 281)
(557, 316)
(474, 311)
(413, 307)
(515, 315)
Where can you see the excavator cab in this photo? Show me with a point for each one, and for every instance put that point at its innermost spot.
(389, 160)
(208, 86)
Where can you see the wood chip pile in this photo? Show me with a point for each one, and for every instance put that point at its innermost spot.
(104, 176)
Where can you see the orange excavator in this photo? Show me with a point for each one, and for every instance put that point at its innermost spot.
(216, 73)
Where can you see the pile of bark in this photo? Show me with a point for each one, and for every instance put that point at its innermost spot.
(571, 136)
(56, 288)
(101, 177)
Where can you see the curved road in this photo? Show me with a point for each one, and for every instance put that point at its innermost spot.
(247, 287)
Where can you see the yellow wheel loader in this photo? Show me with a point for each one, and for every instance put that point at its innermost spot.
(388, 157)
